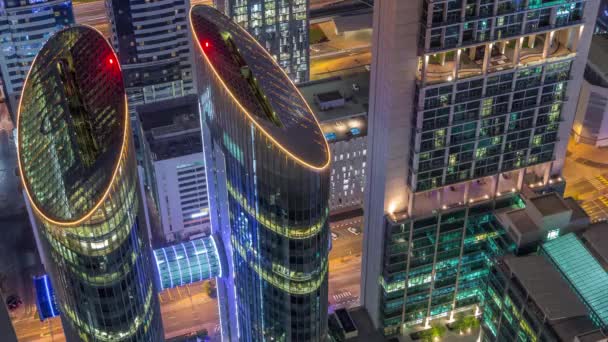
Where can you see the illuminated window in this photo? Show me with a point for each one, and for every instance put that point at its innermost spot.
(552, 234)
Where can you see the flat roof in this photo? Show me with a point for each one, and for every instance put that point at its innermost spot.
(596, 238)
(341, 123)
(354, 22)
(546, 287)
(549, 204)
(258, 86)
(577, 211)
(172, 127)
(598, 55)
(582, 271)
(522, 221)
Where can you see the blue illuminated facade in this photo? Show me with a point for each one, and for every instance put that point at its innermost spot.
(177, 265)
(45, 297)
(187, 262)
(270, 190)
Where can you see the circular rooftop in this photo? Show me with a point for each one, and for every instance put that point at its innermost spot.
(71, 125)
(259, 86)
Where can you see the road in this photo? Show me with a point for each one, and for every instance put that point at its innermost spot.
(184, 310)
(345, 264)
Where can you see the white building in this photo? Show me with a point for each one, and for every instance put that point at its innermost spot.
(173, 141)
(340, 104)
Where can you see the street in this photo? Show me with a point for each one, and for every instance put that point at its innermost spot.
(586, 174)
(184, 310)
(345, 264)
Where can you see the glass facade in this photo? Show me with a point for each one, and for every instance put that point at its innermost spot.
(570, 257)
(509, 314)
(281, 26)
(79, 172)
(270, 189)
(487, 118)
(436, 266)
(24, 27)
(492, 83)
(187, 262)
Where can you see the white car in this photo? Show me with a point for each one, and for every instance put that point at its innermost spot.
(334, 236)
(353, 230)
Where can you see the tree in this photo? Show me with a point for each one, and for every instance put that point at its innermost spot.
(436, 330)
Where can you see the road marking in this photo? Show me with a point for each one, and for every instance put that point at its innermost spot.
(598, 183)
(342, 295)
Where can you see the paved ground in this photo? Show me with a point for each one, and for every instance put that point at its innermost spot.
(586, 174)
(340, 54)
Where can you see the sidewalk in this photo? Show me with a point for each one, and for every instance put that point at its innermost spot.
(584, 161)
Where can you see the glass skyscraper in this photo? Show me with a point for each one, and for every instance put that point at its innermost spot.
(79, 172)
(471, 103)
(268, 177)
(281, 26)
(24, 27)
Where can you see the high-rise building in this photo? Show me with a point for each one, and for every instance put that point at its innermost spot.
(268, 179)
(153, 43)
(79, 172)
(24, 27)
(280, 26)
(590, 123)
(471, 102)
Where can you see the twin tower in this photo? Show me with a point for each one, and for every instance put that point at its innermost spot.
(268, 175)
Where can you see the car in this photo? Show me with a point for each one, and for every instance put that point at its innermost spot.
(13, 302)
(353, 230)
(334, 236)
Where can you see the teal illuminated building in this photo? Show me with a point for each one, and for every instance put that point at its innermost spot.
(471, 105)
(268, 178)
(557, 294)
(79, 173)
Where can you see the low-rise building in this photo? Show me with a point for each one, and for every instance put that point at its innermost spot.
(341, 104)
(173, 140)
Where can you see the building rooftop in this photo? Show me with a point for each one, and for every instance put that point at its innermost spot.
(345, 121)
(522, 222)
(355, 22)
(546, 287)
(582, 271)
(597, 69)
(549, 204)
(258, 86)
(596, 239)
(172, 127)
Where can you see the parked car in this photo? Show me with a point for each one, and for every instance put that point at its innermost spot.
(13, 302)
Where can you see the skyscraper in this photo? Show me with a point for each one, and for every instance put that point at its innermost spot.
(268, 179)
(281, 26)
(471, 102)
(78, 169)
(24, 27)
(153, 44)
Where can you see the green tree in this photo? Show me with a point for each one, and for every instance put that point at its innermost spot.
(436, 330)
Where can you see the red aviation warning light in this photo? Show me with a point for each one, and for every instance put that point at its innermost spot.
(206, 44)
(111, 61)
